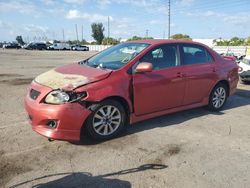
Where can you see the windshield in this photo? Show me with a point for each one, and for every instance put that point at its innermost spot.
(117, 56)
(246, 61)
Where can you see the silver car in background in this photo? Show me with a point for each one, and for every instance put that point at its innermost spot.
(244, 70)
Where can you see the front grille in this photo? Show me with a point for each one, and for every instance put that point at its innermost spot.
(34, 94)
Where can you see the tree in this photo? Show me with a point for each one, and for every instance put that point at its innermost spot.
(139, 38)
(235, 41)
(181, 36)
(110, 41)
(97, 32)
(75, 42)
(19, 40)
(247, 41)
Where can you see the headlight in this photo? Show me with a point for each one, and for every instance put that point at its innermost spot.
(60, 97)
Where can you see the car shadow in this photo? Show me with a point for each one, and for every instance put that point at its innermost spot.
(84, 179)
(241, 98)
(243, 93)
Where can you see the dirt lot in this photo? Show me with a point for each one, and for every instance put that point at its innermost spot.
(194, 148)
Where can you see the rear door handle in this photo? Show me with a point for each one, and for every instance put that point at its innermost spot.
(214, 69)
(180, 75)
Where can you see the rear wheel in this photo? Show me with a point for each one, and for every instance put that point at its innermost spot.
(106, 121)
(218, 97)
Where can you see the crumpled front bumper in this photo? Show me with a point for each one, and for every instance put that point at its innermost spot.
(70, 117)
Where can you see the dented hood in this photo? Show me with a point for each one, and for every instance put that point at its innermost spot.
(71, 76)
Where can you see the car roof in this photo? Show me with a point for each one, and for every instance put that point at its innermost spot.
(166, 41)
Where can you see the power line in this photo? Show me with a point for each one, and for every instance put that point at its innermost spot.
(211, 6)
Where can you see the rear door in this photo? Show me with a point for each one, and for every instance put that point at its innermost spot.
(164, 87)
(199, 69)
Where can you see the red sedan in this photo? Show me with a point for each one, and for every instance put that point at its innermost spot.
(127, 83)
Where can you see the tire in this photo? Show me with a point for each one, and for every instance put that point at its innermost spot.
(218, 97)
(99, 124)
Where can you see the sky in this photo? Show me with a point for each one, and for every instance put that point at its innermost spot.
(47, 19)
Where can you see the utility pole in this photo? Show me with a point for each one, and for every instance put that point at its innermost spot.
(82, 32)
(54, 36)
(168, 19)
(108, 32)
(146, 33)
(63, 34)
(108, 28)
(76, 34)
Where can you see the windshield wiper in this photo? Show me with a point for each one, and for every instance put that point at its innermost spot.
(83, 62)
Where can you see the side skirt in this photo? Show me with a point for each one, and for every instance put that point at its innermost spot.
(134, 118)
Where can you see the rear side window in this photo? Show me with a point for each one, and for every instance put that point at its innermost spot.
(194, 54)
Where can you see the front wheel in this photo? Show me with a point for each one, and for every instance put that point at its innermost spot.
(106, 121)
(218, 97)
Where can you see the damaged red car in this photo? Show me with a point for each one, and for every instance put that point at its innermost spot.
(127, 83)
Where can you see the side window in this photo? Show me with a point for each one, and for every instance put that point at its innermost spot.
(162, 57)
(195, 55)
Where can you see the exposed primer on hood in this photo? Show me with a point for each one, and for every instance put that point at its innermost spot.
(56, 80)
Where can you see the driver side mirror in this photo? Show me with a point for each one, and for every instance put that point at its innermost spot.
(144, 67)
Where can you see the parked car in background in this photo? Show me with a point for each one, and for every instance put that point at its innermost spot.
(128, 83)
(35, 46)
(59, 46)
(229, 56)
(244, 70)
(1, 45)
(11, 46)
(80, 48)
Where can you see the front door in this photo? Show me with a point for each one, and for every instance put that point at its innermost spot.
(164, 87)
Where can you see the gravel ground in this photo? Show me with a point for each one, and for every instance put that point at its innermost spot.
(194, 148)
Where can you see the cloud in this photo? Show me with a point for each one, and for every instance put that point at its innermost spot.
(73, 14)
(12, 30)
(48, 2)
(76, 14)
(184, 3)
(21, 6)
(104, 2)
(75, 1)
(235, 19)
(36, 29)
(150, 6)
(239, 19)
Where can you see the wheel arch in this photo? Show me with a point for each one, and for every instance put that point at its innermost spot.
(222, 81)
(119, 99)
(122, 101)
(226, 83)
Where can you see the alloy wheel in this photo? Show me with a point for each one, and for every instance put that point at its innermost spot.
(107, 120)
(219, 97)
